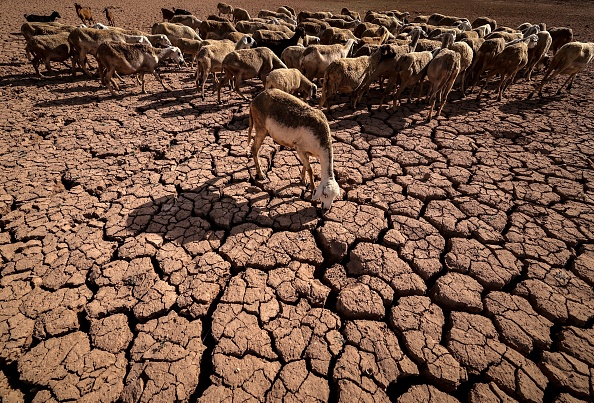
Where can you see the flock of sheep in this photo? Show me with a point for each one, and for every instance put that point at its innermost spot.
(289, 52)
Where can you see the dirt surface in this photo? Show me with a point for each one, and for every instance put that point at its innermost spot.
(141, 260)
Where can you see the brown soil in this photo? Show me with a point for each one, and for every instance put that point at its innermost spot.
(141, 260)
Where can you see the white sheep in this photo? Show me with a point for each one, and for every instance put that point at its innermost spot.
(293, 123)
(317, 58)
(570, 59)
(291, 81)
(292, 55)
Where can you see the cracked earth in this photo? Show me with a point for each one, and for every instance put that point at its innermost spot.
(141, 259)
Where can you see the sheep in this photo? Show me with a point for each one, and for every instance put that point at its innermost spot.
(343, 76)
(278, 45)
(383, 60)
(250, 27)
(218, 27)
(233, 36)
(159, 40)
(292, 55)
(293, 123)
(187, 20)
(86, 41)
(449, 21)
(410, 69)
(213, 17)
(167, 14)
(424, 45)
(84, 13)
(506, 36)
(441, 73)
(483, 30)
(317, 58)
(474, 43)
(363, 27)
(109, 17)
(174, 31)
(265, 35)
(287, 10)
(280, 16)
(314, 28)
(353, 14)
(210, 58)
(138, 59)
(333, 36)
(485, 20)
(48, 48)
(245, 64)
(536, 54)
(225, 9)
(43, 18)
(340, 23)
(310, 40)
(508, 62)
(320, 15)
(484, 58)
(401, 15)
(292, 82)
(189, 47)
(466, 56)
(560, 36)
(570, 59)
(391, 23)
(240, 14)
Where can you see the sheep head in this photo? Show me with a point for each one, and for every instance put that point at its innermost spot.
(326, 193)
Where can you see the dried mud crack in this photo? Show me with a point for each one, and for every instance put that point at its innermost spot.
(141, 259)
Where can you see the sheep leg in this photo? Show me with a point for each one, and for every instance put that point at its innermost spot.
(448, 88)
(158, 77)
(306, 167)
(36, 62)
(238, 87)
(462, 80)
(108, 80)
(258, 140)
(82, 60)
(489, 77)
(432, 102)
(224, 81)
(565, 83)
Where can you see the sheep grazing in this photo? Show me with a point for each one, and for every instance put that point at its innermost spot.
(291, 81)
(508, 62)
(218, 27)
(225, 9)
(317, 58)
(537, 53)
(174, 31)
(109, 17)
(570, 59)
(159, 40)
(48, 48)
(138, 59)
(293, 123)
(42, 18)
(279, 45)
(187, 20)
(317, 15)
(273, 14)
(240, 14)
(333, 36)
(560, 36)
(441, 73)
(210, 58)
(245, 64)
(84, 13)
(292, 55)
(287, 10)
(167, 14)
(343, 76)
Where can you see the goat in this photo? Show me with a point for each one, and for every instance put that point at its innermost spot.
(293, 123)
(84, 13)
(42, 18)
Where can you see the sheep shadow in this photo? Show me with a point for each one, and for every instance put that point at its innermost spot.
(204, 214)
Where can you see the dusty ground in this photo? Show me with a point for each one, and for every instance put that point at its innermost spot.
(140, 258)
